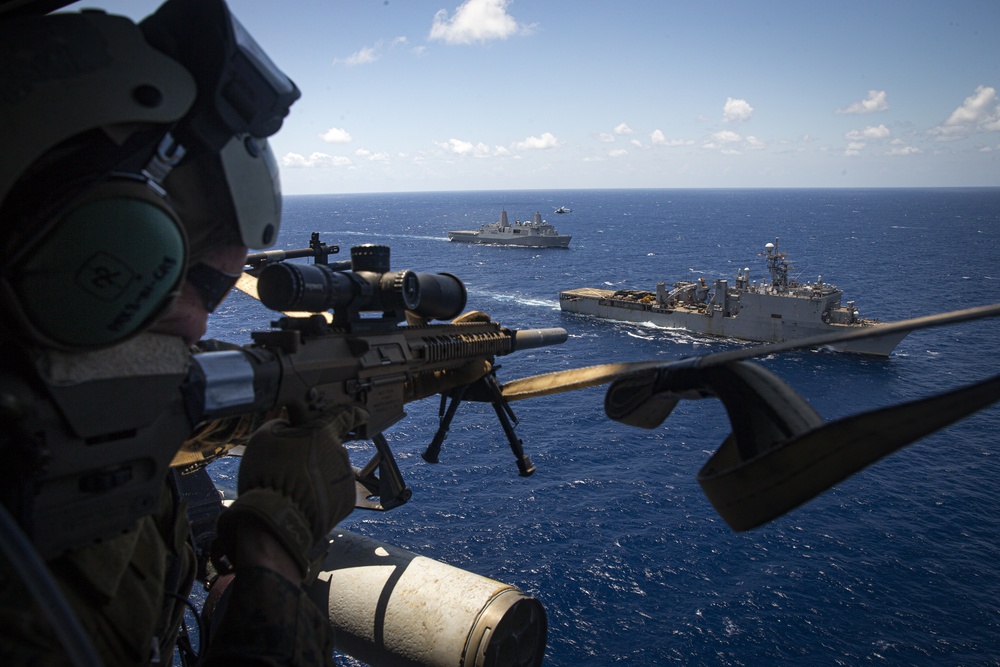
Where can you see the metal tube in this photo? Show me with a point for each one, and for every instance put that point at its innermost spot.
(389, 606)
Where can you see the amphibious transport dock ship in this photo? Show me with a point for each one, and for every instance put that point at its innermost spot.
(768, 312)
(534, 234)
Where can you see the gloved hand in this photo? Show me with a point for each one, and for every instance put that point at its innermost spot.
(439, 382)
(296, 482)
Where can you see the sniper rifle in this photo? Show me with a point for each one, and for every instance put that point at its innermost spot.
(363, 354)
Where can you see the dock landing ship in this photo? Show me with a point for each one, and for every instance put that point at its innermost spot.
(534, 234)
(774, 311)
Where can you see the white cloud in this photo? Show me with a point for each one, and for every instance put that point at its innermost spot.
(618, 152)
(978, 113)
(857, 140)
(728, 142)
(876, 101)
(623, 128)
(659, 139)
(975, 109)
(637, 143)
(476, 21)
(459, 147)
(854, 148)
(544, 142)
(724, 137)
(605, 137)
(904, 150)
(296, 161)
(374, 157)
(480, 150)
(370, 54)
(869, 133)
(336, 135)
(736, 111)
(366, 55)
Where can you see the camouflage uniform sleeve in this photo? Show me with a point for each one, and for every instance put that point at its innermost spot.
(265, 620)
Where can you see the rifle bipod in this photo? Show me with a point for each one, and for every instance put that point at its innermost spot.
(388, 485)
(387, 489)
(485, 389)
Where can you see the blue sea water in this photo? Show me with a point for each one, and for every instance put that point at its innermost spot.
(897, 565)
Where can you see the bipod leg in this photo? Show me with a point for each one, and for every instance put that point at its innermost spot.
(506, 415)
(389, 485)
(444, 416)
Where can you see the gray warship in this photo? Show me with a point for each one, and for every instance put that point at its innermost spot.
(767, 312)
(534, 234)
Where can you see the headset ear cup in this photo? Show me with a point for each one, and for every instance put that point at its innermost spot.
(106, 269)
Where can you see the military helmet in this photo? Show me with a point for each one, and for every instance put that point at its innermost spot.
(121, 143)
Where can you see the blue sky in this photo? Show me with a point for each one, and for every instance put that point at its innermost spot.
(429, 95)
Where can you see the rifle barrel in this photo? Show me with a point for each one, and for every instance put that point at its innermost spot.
(527, 339)
(258, 260)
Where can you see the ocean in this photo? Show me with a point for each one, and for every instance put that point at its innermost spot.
(898, 565)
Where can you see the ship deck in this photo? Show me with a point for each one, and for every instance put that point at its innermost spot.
(590, 292)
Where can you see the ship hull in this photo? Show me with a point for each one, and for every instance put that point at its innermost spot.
(760, 318)
(526, 241)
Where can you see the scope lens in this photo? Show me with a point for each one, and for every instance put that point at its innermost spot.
(442, 296)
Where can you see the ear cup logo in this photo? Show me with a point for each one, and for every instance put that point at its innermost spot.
(149, 296)
(105, 277)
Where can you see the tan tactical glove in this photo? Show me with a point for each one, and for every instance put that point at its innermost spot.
(296, 482)
(440, 382)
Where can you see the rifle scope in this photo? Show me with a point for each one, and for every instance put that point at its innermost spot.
(369, 286)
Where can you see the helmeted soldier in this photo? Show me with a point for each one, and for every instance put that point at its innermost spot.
(134, 174)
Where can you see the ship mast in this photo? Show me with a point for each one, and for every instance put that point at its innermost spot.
(777, 265)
